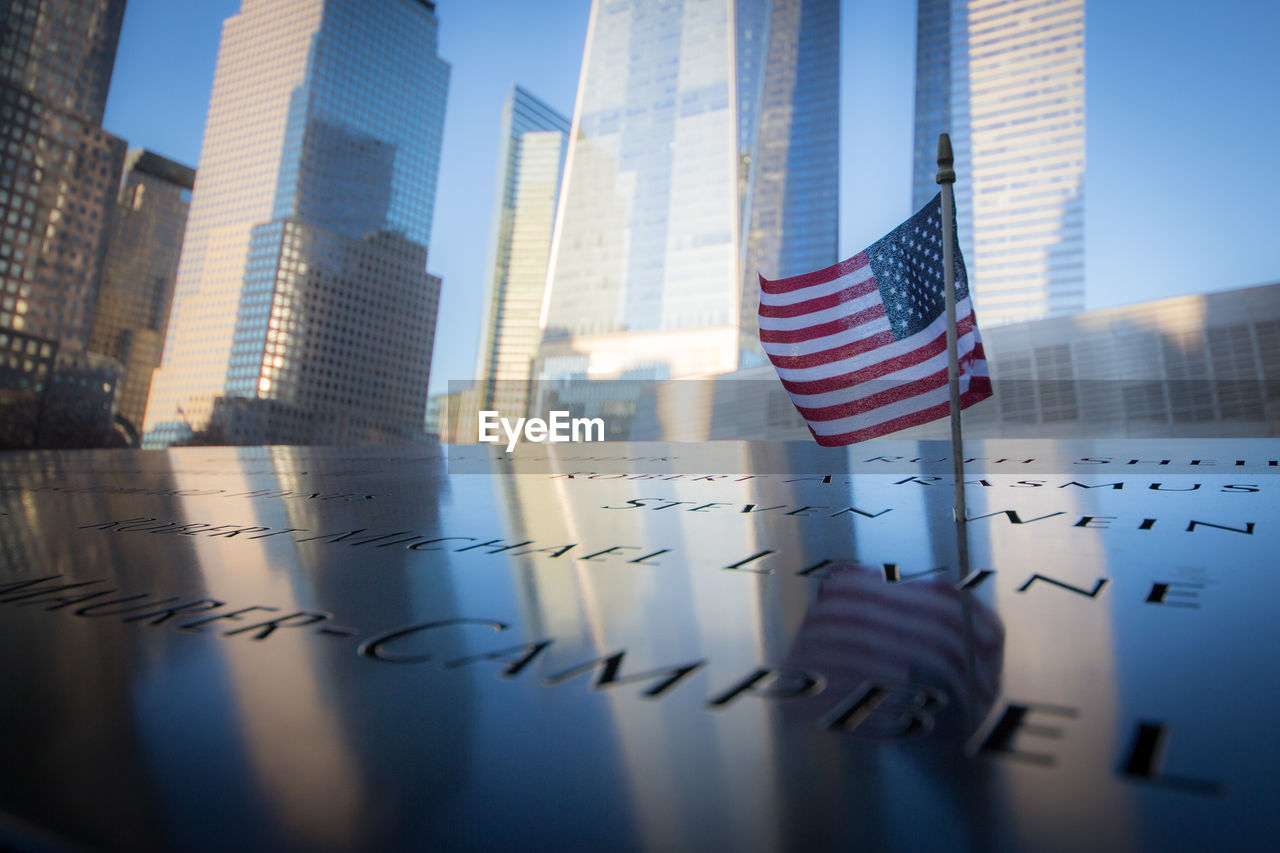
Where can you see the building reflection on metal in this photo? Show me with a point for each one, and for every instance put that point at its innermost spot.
(758, 646)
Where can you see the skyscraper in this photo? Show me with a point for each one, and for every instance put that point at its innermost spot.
(532, 158)
(60, 170)
(704, 153)
(137, 280)
(303, 312)
(1006, 79)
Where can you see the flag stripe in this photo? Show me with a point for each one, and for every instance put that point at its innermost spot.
(940, 657)
(889, 626)
(904, 411)
(840, 311)
(818, 303)
(936, 604)
(836, 354)
(979, 390)
(866, 402)
(798, 368)
(856, 376)
(823, 330)
(853, 401)
(804, 294)
(849, 336)
(822, 276)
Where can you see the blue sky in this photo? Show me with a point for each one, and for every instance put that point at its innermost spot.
(1182, 184)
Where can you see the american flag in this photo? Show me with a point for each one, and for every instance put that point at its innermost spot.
(860, 628)
(861, 346)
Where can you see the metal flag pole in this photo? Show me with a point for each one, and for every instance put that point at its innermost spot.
(947, 177)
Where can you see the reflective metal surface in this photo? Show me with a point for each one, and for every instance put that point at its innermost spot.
(326, 649)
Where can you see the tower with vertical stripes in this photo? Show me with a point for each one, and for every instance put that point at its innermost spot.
(1006, 78)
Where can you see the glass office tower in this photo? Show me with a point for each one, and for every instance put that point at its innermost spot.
(303, 312)
(141, 262)
(704, 153)
(531, 162)
(60, 170)
(1006, 79)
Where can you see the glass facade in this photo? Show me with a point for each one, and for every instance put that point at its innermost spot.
(303, 311)
(1203, 366)
(1006, 79)
(137, 281)
(792, 196)
(59, 171)
(704, 153)
(530, 165)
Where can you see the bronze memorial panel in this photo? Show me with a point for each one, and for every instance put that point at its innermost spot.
(642, 646)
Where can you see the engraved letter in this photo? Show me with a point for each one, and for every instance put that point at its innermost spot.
(888, 710)
(783, 684)
(609, 674)
(1001, 738)
(373, 647)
